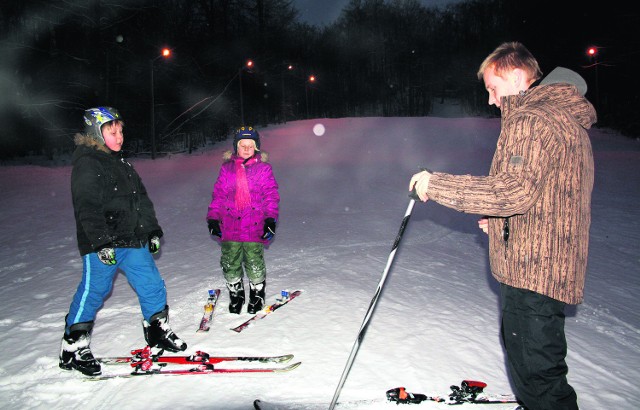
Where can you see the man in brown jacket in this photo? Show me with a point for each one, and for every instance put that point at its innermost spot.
(538, 198)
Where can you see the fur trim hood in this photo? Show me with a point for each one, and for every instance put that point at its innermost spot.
(227, 155)
(87, 141)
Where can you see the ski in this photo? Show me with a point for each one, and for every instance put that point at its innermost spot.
(200, 369)
(140, 355)
(470, 391)
(209, 308)
(285, 298)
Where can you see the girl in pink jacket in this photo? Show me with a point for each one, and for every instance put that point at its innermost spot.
(243, 214)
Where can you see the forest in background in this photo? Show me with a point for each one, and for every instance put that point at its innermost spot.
(380, 58)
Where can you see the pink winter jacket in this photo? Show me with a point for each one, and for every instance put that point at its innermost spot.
(244, 225)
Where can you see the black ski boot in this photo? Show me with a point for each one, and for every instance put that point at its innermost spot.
(158, 333)
(256, 297)
(75, 352)
(236, 296)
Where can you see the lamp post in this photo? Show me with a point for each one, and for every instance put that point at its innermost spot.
(165, 53)
(284, 115)
(310, 79)
(248, 65)
(593, 53)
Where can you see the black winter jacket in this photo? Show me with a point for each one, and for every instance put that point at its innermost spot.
(110, 203)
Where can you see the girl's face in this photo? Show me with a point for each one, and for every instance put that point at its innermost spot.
(246, 148)
(112, 134)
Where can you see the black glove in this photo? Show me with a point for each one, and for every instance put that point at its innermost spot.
(269, 228)
(214, 227)
(107, 255)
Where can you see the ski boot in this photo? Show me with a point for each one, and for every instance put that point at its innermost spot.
(256, 297)
(236, 296)
(75, 352)
(158, 333)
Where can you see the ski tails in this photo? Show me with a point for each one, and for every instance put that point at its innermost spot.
(209, 308)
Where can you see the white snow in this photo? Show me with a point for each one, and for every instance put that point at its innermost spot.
(344, 193)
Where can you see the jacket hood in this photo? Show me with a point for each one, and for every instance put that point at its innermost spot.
(565, 76)
(86, 145)
(560, 95)
(87, 141)
(228, 155)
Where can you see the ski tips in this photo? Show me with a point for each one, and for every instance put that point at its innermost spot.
(288, 368)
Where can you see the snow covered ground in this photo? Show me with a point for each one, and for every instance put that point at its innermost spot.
(343, 198)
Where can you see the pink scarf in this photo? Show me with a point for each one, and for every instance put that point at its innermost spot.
(242, 187)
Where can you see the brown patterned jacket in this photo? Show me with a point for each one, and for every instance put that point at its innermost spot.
(540, 181)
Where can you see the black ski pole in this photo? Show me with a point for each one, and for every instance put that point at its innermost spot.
(372, 305)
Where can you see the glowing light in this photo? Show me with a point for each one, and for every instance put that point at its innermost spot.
(319, 130)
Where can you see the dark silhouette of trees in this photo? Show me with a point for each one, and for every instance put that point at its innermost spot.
(380, 58)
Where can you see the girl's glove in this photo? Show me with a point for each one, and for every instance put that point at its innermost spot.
(214, 228)
(269, 228)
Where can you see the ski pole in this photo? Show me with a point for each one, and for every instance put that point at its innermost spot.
(372, 305)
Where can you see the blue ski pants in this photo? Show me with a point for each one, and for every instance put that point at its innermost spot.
(97, 282)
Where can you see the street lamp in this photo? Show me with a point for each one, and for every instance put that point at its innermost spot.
(284, 115)
(593, 53)
(311, 79)
(248, 65)
(166, 53)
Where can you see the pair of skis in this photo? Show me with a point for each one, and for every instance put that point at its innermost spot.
(214, 295)
(144, 363)
(469, 391)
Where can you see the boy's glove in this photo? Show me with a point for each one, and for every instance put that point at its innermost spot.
(269, 228)
(107, 255)
(154, 241)
(214, 227)
(154, 244)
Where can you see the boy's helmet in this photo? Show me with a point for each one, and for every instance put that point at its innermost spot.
(246, 133)
(95, 118)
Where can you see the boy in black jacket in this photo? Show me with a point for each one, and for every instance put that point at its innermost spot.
(116, 229)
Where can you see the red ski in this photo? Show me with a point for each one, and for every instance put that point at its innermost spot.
(199, 369)
(141, 355)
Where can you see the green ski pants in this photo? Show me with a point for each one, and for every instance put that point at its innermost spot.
(236, 255)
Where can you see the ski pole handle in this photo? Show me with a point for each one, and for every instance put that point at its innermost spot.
(413, 194)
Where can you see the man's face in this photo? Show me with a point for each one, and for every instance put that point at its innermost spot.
(112, 134)
(500, 86)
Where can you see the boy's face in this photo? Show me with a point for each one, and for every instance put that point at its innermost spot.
(112, 134)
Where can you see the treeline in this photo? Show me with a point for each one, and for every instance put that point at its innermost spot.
(380, 58)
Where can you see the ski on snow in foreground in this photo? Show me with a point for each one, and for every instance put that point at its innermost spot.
(469, 392)
(145, 363)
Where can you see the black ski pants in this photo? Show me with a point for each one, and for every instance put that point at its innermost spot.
(534, 339)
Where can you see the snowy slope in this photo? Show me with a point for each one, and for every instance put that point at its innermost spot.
(343, 198)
